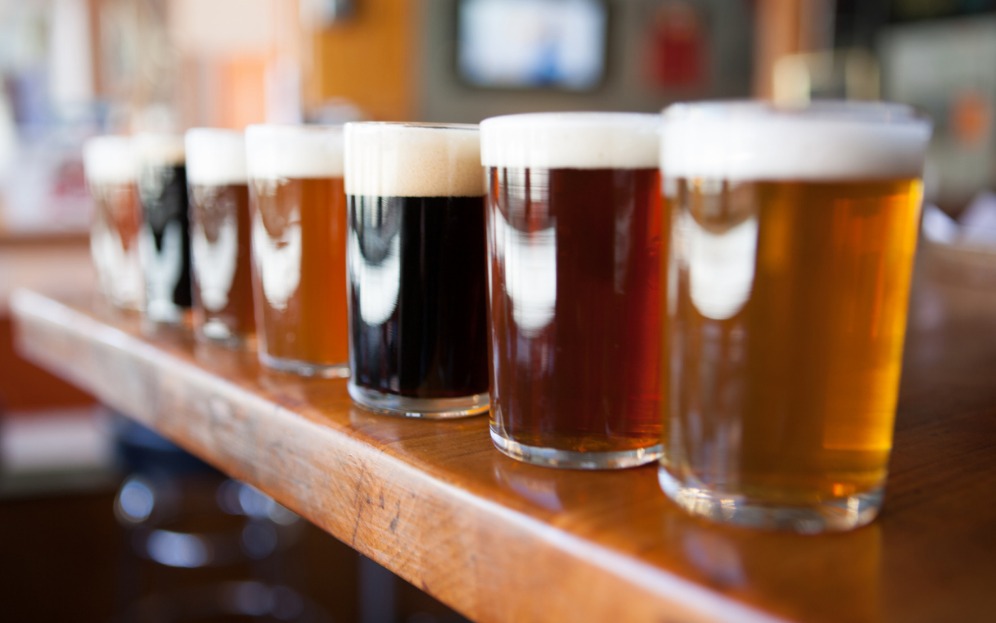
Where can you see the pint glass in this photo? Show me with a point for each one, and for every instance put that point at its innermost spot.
(165, 240)
(574, 239)
(219, 235)
(417, 272)
(299, 247)
(109, 165)
(792, 238)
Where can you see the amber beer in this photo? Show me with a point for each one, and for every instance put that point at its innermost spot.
(220, 236)
(417, 270)
(574, 238)
(793, 235)
(299, 247)
(110, 168)
(165, 238)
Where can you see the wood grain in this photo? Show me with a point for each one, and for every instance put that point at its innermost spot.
(503, 541)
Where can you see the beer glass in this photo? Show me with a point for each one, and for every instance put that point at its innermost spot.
(219, 235)
(574, 238)
(417, 271)
(299, 247)
(165, 240)
(792, 238)
(110, 170)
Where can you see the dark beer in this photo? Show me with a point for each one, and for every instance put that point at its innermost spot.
(299, 248)
(162, 189)
(109, 164)
(220, 235)
(574, 238)
(787, 308)
(422, 257)
(417, 269)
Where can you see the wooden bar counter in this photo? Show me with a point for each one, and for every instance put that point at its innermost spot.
(503, 541)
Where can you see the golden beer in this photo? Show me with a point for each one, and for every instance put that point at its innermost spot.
(786, 301)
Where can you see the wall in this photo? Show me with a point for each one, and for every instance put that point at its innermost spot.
(442, 97)
(367, 59)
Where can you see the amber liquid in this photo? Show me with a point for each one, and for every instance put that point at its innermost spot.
(114, 243)
(220, 246)
(785, 332)
(574, 307)
(299, 269)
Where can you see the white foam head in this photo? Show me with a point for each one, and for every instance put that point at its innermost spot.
(157, 149)
(215, 156)
(824, 141)
(571, 140)
(109, 160)
(413, 160)
(294, 151)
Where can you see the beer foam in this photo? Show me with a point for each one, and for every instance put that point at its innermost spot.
(109, 160)
(413, 160)
(215, 156)
(160, 149)
(294, 151)
(825, 141)
(571, 140)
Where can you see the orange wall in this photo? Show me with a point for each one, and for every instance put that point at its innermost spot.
(367, 59)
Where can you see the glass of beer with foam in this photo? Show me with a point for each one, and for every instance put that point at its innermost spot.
(299, 247)
(110, 169)
(574, 237)
(792, 233)
(165, 239)
(219, 235)
(417, 271)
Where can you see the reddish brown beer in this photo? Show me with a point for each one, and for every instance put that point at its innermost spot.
(220, 235)
(110, 167)
(574, 255)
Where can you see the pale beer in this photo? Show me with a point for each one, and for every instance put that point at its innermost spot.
(792, 240)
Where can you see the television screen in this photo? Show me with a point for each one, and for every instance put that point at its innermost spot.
(532, 43)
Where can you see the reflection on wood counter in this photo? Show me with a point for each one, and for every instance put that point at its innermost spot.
(503, 541)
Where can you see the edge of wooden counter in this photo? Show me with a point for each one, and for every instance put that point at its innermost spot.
(489, 562)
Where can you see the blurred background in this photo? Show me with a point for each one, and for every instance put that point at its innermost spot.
(103, 521)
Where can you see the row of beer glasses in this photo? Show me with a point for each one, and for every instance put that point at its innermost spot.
(723, 289)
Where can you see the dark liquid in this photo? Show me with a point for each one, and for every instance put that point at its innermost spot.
(163, 193)
(574, 307)
(418, 288)
(221, 255)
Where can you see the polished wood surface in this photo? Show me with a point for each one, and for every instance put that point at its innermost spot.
(503, 541)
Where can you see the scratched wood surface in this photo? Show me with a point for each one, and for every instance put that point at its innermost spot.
(502, 541)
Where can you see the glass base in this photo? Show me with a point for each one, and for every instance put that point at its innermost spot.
(550, 457)
(428, 408)
(832, 515)
(216, 332)
(305, 368)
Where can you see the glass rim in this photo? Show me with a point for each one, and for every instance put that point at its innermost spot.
(414, 125)
(578, 118)
(293, 129)
(824, 110)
